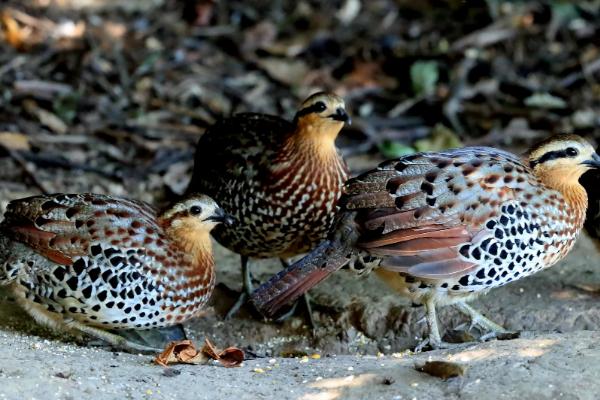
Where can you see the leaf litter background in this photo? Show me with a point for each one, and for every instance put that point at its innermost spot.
(111, 97)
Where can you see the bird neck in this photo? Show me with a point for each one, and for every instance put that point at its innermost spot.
(194, 242)
(566, 181)
(314, 139)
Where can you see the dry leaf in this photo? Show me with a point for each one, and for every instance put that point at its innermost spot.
(592, 288)
(13, 34)
(289, 72)
(185, 352)
(182, 351)
(14, 141)
(230, 357)
(45, 117)
(442, 369)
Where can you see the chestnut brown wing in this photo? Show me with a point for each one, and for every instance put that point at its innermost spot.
(63, 226)
(415, 213)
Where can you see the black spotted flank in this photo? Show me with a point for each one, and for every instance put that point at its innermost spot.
(109, 252)
(114, 281)
(59, 273)
(94, 274)
(102, 295)
(117, 260)
(87, 292)
(96, 249)
(79, 266)
(72, 282)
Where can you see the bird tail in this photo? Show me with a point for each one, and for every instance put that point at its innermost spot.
(297, 279)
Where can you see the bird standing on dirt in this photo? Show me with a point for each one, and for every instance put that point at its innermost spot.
(101, 264)
(279, 180)
(443, 228)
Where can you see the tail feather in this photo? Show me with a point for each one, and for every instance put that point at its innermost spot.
(297, 279)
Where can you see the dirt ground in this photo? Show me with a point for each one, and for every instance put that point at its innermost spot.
(362, 338)
(542, 366)
(111, 97)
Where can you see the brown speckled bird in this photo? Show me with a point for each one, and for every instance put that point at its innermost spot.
(279, 180)
(102, 265)
(442, 228)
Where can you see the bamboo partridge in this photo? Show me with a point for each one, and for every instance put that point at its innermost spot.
(279, 180)
(443, 228)
(101, 264)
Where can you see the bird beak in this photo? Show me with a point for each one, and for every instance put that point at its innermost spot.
(341, 115)
(594, 162)
(221, 216)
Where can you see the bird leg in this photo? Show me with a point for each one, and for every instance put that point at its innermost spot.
(155, 338)
(111, 338)
(480, 320)
(434, 340)
(246, 289)
(305, 299)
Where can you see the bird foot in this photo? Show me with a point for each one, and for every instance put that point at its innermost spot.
(305, 300)
(500, 335)
(428, 344)
(111, 338)
(241, 300)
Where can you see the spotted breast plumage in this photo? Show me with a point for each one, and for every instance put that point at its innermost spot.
(444, 227)
(279, 180)
(98, 263)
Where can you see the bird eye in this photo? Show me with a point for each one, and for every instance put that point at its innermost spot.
(571, 152)
(195, 210)
(319, 106)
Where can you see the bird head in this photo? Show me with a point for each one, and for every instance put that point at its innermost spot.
(196, 215)
(323, 114)
(561, 160)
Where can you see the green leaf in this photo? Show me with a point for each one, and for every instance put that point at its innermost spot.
(393, 149)
(441, 138)
(424, 76)
(65, 107)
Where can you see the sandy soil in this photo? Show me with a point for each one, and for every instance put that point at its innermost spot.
(362, 336)
(543, 366)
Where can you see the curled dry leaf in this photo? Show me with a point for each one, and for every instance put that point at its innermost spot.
(185, 352)
(592, 288)
(230, 357)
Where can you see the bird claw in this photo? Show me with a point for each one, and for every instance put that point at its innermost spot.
(500, 335)
(435, 345)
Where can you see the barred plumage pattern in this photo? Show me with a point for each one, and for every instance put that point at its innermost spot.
(443, 227)
(479, 218)
(106, 262)
(280, 187)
